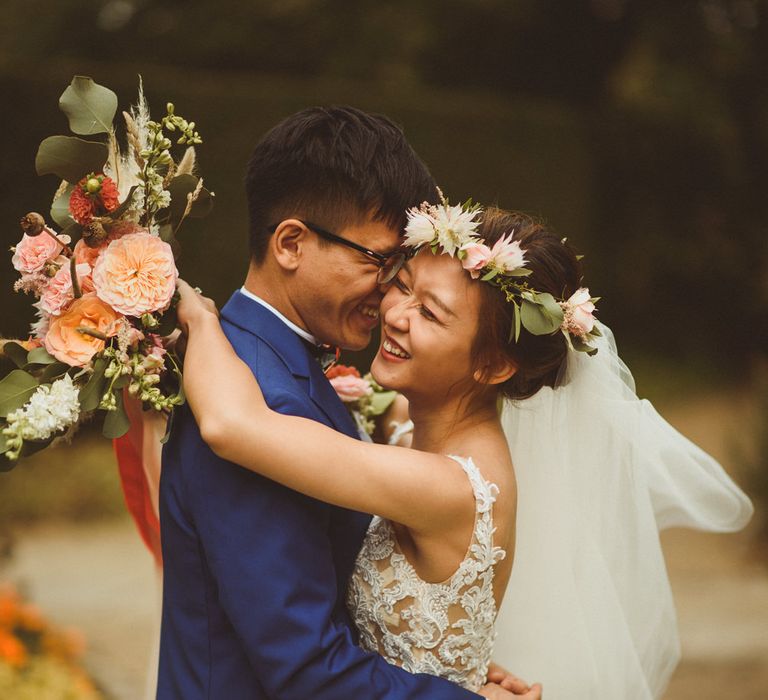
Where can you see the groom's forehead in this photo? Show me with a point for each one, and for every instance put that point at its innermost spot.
(375, 235)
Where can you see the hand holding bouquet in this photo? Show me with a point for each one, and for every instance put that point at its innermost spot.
(102, 273)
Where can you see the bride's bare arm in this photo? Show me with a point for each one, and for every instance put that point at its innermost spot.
(423, 491)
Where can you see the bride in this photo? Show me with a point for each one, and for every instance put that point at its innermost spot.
(486, 310)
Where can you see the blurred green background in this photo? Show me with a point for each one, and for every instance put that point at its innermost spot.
(636, 128)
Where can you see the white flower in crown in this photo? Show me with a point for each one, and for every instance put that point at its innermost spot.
(455, 226)
(420, 229)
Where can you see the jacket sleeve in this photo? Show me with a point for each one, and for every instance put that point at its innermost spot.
(268, 550)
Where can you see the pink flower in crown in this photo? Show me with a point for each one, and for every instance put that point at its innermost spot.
(351, 388)
(507, 255)
(136, 274)
(33, 252)
(59, 291)
(477, 257)
(578, 313)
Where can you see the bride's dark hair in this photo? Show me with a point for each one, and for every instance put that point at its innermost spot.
(555, 268)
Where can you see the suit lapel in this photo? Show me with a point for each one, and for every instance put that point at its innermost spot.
(256, 319)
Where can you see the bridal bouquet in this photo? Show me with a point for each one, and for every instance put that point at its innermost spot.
(102, 272)
(364, 398)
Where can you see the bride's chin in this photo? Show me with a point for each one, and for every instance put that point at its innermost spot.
(386, 375)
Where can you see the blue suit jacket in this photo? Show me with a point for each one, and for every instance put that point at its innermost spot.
(255, 573)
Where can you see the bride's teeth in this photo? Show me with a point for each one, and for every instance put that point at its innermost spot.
(397, 352)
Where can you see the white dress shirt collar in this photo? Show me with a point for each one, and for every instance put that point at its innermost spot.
(296, 329)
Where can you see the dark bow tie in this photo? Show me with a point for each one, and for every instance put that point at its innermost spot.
(326, 355)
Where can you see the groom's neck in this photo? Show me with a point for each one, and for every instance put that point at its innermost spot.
(261, 282)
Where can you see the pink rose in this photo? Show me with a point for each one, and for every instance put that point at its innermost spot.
(351, 388)
(59, 291)
(67, 344)
(478, 256)
(580, 307)
(33, 252)
(136, 274)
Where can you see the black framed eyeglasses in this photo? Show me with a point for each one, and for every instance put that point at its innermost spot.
(389, 263)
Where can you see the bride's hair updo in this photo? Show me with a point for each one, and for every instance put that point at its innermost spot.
(554, 269)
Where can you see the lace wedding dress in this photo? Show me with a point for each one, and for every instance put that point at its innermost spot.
(445, 629)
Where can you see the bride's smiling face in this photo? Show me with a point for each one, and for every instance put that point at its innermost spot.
(430, 318)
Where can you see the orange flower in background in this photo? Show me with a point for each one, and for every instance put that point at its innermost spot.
(9, 605)
(94, 195)
(12, 651)
(67, 344)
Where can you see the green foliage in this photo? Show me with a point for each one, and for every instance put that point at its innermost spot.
(91, 393)
(89, 107)
(540, 314)
(116, 422)
(16, 353)
(70, 158)
(60, 207)
(15, 390)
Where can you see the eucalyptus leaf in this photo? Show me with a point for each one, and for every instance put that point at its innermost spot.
(381, 401)
(551, 306)
(15, 391)
(60, 207)
(16, 353)
(536, 319)
(90, 395)
(116, 423)
(90, 107)
(517, 322)
(40, 356)
(70, 158)
(54, 371)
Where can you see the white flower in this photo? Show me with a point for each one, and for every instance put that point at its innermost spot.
(50, 410)
(420, 229)
(455, 227)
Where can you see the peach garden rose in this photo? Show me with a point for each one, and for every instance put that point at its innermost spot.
(67, 344)
(136, 274)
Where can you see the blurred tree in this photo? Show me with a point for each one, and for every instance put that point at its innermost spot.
(645, 122)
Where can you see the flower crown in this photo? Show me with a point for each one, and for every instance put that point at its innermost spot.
(452, 230)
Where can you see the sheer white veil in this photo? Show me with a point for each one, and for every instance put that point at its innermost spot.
(588, 611)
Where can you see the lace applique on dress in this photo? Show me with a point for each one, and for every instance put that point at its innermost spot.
(444, 629)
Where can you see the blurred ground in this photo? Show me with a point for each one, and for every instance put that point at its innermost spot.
(99, 578)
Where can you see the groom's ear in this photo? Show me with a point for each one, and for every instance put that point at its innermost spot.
(287, 243)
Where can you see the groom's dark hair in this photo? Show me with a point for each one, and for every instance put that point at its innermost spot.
(333, 166)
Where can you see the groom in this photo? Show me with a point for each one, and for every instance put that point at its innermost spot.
(255, 574)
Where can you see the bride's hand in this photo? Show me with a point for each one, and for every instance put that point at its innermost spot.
(193, 306)
(496, 692)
